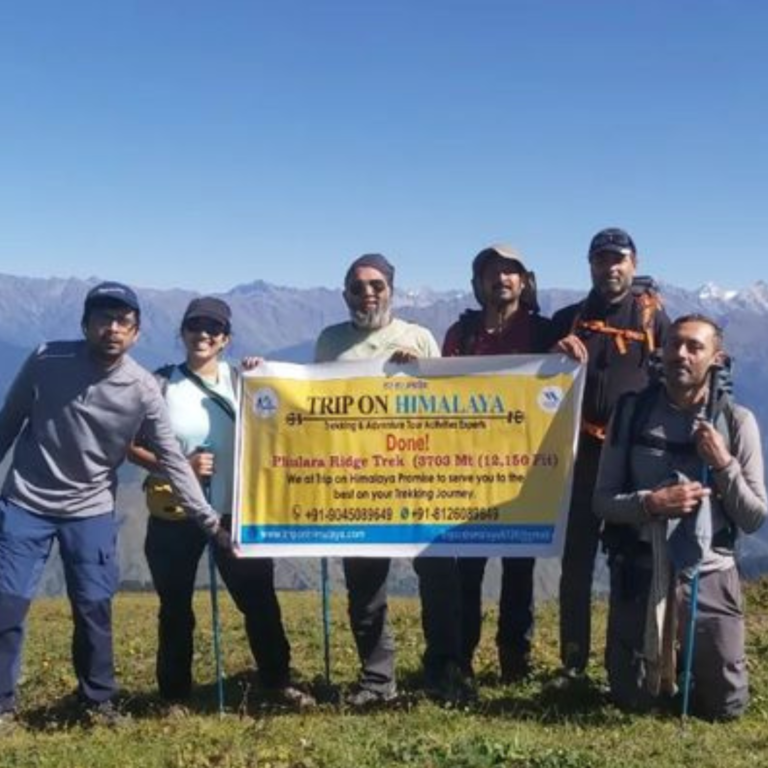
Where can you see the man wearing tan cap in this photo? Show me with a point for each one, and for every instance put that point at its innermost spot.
(507, 323)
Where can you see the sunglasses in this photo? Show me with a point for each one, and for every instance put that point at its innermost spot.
(205, 325)
(104, 318)
(359, 287)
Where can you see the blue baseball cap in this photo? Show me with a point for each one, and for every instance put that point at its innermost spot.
(614, 240)
(110, 292)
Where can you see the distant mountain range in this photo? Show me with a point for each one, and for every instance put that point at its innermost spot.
(282, 323)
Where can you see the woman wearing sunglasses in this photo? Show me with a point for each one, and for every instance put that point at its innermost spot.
(201, 395)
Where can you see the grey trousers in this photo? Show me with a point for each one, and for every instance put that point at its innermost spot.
(368, 616)
(720, 683)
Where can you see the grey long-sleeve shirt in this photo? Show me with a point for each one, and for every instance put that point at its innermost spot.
(739, 486)
(74, 421)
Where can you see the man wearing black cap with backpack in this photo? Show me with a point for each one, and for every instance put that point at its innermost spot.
(616, 330)
(72, 412)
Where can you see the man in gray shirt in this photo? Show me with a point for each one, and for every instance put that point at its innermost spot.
(72, 411)
(680, 474)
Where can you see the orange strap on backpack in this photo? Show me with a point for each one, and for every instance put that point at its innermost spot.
(649, 302)
(620, 335)
(593, 430)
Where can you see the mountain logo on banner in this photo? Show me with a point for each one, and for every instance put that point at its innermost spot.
(265, 403)
(550, 398)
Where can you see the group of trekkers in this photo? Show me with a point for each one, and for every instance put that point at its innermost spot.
(668, 470)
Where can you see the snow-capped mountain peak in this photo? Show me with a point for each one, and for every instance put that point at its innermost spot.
(711, 291)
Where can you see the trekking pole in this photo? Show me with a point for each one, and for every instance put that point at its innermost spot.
(690, 633)
(326, 599)
(214, 590)
(690, 630)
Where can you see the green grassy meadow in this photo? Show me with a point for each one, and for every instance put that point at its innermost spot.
(532, 724)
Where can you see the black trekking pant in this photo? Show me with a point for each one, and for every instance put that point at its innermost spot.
(578, 563)
(439, 590)
(515, 628)
(173, 550)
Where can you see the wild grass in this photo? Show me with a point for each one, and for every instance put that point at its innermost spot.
(532, 724)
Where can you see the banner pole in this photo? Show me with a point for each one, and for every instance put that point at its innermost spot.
(326, 600)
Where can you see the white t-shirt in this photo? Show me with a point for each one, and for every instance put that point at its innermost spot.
(197, 420)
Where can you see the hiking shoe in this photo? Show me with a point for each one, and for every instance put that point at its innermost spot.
(8, 722)
(370, 698)
(103, 713)
(567, 677)
(176, 711)
(451, 686)
(515, 666)
(291, 696)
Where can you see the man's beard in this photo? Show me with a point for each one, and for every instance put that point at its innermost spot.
(614, 289)
(500, 298)
(371, 319)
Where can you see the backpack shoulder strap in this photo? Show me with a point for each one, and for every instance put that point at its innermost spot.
(577, 315)
(163, 375)
(469, 328)
(627, 400)
(723, 416)
(234, 377)
(723, 419)
(621, 541)
(542, 333)
(222, 402)
(646, 400)
(649, 302)
(642, 404)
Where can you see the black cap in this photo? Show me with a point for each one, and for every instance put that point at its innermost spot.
(614, 240)
(376, 261)
(211, 308)
(110, 292)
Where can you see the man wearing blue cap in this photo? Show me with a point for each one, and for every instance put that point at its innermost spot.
(72, 411)
(616, 331)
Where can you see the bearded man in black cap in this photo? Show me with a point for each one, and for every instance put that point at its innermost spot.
(616, 331)
(372, 332)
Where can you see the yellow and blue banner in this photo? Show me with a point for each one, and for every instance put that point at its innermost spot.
(463, 456)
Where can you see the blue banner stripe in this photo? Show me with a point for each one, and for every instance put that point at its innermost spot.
(397, 534)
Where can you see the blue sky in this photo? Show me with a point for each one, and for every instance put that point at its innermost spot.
(207, 144)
